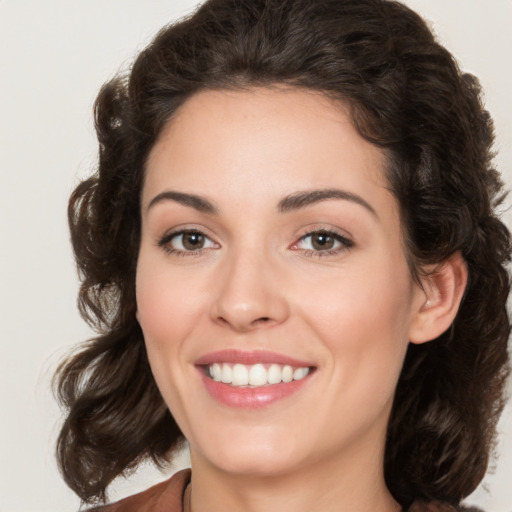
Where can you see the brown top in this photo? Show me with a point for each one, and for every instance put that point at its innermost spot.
(168, 496)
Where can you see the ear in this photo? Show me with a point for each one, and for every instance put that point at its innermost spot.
(439, 300)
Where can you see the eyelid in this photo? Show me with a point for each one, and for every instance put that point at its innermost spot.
(345, 242)
(164, 241)
(177, 229)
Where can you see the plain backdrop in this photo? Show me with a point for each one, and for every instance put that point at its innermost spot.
(54, 56)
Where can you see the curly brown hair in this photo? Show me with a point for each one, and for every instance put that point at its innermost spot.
(407, 96)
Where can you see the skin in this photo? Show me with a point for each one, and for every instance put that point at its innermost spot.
(259, 283)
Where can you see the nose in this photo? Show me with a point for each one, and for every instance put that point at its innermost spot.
(250, 293)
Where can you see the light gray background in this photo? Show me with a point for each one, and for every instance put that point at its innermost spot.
(54, 56)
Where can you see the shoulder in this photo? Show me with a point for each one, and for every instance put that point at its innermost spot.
(166, 496)
(421, 506)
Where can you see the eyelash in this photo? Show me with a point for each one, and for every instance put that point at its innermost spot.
(166, 239)
(345, 243)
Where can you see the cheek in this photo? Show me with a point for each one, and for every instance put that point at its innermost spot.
(156, 304)
(359, 301)
(363, 320)
(166, 316)
(164, 310)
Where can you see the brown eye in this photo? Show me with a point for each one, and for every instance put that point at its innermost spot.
(192, 241)
(186, 242)
(322, 241)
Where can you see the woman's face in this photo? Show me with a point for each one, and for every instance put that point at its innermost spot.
(271, 250)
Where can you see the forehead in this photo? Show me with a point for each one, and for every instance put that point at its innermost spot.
(265, 132)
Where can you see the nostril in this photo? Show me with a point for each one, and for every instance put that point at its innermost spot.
(263, 319)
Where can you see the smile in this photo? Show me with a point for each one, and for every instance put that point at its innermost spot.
(255, 375)
(252, 379)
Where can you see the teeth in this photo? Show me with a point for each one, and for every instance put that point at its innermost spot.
(287, 374)
(216, 372)
(227, 374)
(300, 373)
(240, 375)
(274, 374)
(255, 375)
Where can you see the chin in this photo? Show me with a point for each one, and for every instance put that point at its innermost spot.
(242, 456)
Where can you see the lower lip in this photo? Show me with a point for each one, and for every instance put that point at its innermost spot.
(251, 398)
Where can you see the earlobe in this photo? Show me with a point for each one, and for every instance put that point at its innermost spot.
(443, 289)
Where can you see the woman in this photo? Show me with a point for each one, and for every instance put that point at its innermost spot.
(291, 253)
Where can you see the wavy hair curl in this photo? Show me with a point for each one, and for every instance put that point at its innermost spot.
(406, 95)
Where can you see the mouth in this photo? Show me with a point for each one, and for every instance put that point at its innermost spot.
(255, 375)
(252, 379)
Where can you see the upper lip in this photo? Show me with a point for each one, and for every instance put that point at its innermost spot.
(249, 357)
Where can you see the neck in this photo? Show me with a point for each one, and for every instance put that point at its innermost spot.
(356, 485)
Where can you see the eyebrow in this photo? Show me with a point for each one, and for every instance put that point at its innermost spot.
(301, 200)
(295, 201)
(191, 200)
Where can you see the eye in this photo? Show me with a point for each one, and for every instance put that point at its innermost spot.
(323, 241)
(186, 241)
